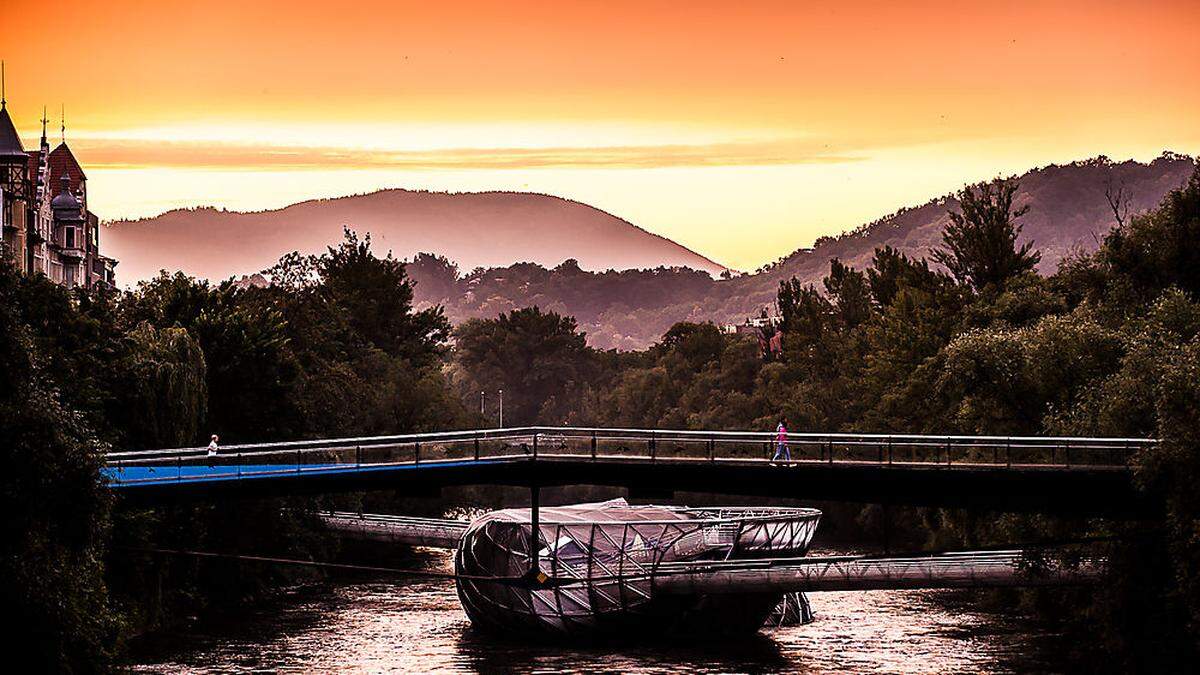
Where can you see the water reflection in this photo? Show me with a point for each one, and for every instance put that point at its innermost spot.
(417, 625)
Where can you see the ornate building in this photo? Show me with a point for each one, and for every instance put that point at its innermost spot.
(47, 227)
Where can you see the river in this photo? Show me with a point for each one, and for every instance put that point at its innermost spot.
(372, 625)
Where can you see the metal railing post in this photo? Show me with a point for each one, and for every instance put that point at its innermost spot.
(297, 460)
(653, 449)
(417, 453)
(1067, 453)
(535, 444)
(476, 446)
(239, 465)
(712, 449)
(593, 444)
(358, 456)
(889, 446)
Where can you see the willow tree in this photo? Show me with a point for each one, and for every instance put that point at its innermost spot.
(165, 391)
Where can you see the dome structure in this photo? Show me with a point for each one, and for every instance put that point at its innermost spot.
(65, 205)
(597, 563)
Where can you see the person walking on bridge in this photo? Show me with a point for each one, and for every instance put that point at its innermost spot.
(781, 445)
(212, 446)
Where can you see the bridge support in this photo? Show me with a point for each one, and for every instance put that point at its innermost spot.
(535, 546)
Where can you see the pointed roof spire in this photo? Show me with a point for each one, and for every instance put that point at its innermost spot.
(44, 121)
(10, 141)
(64, 123)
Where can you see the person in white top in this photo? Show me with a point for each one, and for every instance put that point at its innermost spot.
(212, 446)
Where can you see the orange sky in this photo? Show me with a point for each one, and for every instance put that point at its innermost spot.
(742, 130)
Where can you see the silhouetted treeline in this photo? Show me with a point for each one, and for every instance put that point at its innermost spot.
(332, 347)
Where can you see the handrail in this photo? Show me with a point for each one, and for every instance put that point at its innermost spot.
(653, 445)
(610, 433)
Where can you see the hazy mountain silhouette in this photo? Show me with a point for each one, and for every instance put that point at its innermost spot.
(630, 310)
(503, 232)
(474, 229)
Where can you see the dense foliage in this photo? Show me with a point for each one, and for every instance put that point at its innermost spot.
(332, 347)
(55, 510)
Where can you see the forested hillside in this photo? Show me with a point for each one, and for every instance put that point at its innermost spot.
(1068, 212)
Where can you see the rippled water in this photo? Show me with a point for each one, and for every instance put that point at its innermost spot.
(417, 625)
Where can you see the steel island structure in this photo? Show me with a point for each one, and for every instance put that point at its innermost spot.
(597, 568)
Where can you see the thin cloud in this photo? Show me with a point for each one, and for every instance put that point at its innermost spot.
(120, 153)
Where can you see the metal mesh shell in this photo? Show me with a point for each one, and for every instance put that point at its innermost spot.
(603, 559)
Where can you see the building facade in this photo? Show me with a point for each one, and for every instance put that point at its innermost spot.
(47, 227)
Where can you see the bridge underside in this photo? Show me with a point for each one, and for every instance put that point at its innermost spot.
(1085, 491)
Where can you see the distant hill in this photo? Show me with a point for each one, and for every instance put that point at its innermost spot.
(475, 229)
(630, 310)
(1067, 212)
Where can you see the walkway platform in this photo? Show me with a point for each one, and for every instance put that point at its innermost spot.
(1064, 475)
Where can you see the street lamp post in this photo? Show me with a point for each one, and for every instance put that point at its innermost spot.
(501, 408)
(481, 404)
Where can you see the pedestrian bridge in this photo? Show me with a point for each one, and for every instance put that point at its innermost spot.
(1086, 476)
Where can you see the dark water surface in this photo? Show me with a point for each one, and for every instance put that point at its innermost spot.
(416, 625)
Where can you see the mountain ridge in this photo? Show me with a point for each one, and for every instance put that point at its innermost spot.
(488, 228)
(631, 309)
(1068, 212)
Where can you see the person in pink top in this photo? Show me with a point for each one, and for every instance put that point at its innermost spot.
(781, 445)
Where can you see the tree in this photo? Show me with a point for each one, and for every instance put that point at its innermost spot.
(847, 289)
(891, 271)
(55, 513)
(250, 367)
(538, 358)
(162, 390)
(375, 297)
(980, 243)
(435, 277)
(1154, 251)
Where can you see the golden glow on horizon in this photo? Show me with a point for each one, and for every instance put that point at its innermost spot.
(741, 131)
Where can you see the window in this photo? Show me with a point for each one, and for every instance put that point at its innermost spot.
(70, 237)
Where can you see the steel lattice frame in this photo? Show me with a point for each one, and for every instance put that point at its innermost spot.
(604, 560)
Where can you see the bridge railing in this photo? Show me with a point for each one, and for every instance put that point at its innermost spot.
(606, 444)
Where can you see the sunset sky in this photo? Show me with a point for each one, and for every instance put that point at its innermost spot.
(740, 129)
